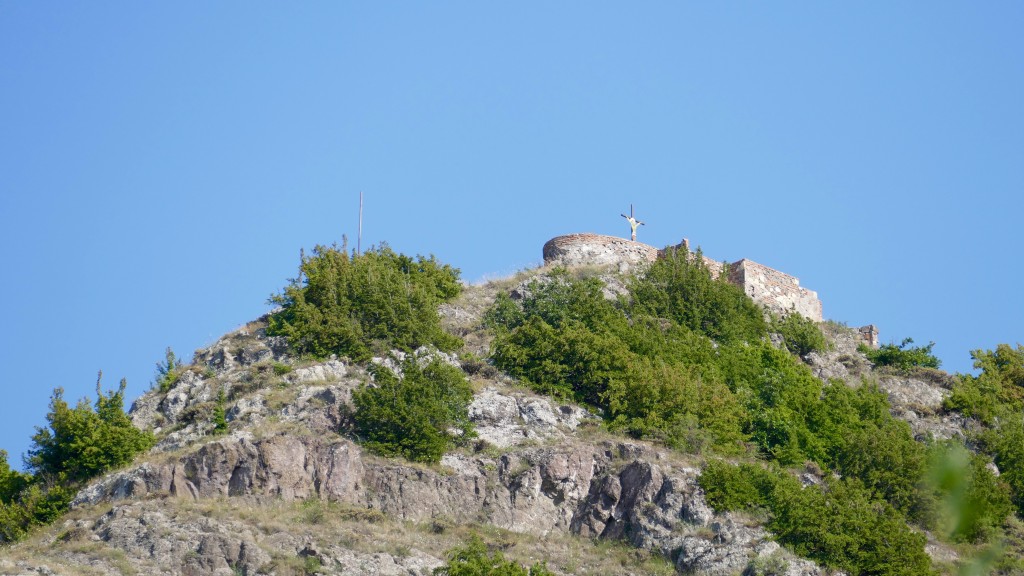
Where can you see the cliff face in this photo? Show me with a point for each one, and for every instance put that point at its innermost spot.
(288, 492)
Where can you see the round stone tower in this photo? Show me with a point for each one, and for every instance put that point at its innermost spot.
(597, 250)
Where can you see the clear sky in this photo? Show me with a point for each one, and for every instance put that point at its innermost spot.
(161, 164)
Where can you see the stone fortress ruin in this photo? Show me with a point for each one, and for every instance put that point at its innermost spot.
(776, 291)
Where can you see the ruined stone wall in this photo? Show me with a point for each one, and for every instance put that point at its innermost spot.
(776, 291)
(597, 249)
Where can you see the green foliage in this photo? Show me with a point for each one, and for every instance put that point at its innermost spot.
(168, 372)
(11, 481)
(220, 421)
(780, 395)
(842, 526)
(674, 404)
(566, 339)
(863, 440)
(996, 398)
(679, 287)
(997, 391)
(350, 305)
(975, 502)
(85, 441)
(414, 416)
(475, 559)
(36, 505)
(743, 487)
(800, 335)
(904, 356)
(838, 523)
(570, 360)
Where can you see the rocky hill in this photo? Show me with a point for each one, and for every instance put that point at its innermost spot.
(287, 490)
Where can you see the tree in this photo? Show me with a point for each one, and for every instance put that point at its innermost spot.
(11, 481)
(85, 441)
(418, 415)
(800, 335)
(679, 286)
(904, 356)
(350, 305)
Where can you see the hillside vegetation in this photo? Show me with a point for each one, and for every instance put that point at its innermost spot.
(669, 357)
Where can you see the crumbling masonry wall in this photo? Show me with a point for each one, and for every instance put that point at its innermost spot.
(597, 249)
(776, 291)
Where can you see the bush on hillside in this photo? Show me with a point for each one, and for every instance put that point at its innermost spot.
(997, 391)
(566, 339)
(475, 559)
(975, 501)
(996, 398)
(168, 372)
(85, 441)
(79, 443)
(679, 286)
(355, 305)
(800, 335)
(902, 357)
(838, 523)
(38, 504)
(11, 481)
(419, 415)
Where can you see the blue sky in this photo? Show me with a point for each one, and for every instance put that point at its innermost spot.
(161, 164)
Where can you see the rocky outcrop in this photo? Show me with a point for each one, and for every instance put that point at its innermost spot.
(509, 419)
(612, 490)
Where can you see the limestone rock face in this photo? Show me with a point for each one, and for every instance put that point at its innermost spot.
(651, 501)
(504, 419)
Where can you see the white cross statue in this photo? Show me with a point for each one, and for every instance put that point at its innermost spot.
(633, 223)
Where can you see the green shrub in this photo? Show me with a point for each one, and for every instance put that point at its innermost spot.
(352, 305)
(475, 559)
(679, 286)
(743, 487)
(904, 356)
(781, 398)
(566, 339)
(998, 390)
(79, 443)
(842, 526)
(838, 523)
(568, 361)
(168, 372)
(1004, 441)
(219, 417)
(674, 404)
(37, 504)
(11, 481)
(996, 398)
(800, 335)
(418, 416)
(85, 441)
(976, 502)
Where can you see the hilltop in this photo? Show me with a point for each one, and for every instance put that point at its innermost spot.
(607, 427)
